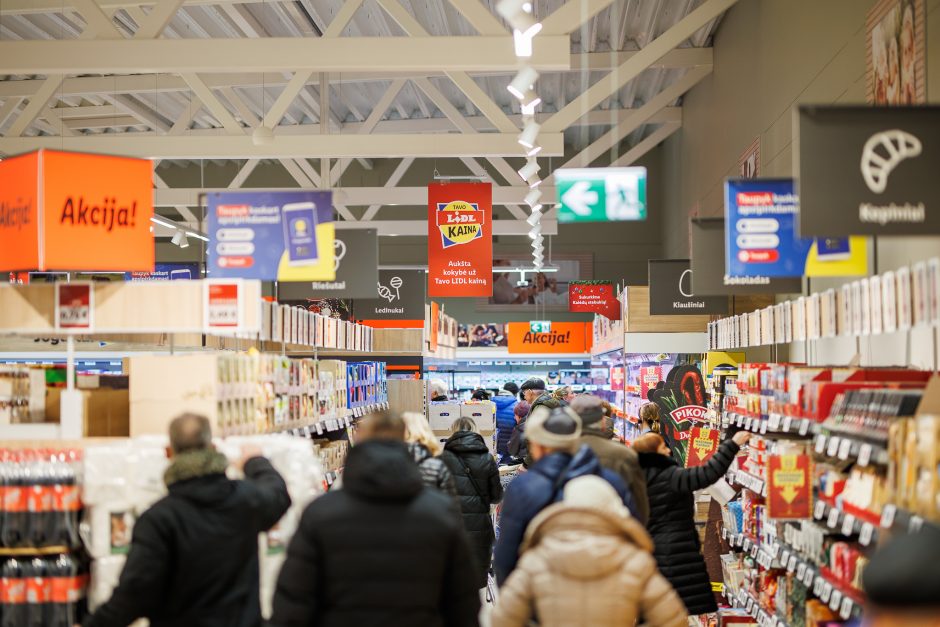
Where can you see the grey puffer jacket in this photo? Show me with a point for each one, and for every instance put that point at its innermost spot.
(434, 472)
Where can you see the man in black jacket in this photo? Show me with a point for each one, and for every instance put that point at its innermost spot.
(193, 559)
(384, 550)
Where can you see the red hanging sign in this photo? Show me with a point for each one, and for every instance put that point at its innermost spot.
(594, 297)
(460, 239)
(703, 442)
(789, 487)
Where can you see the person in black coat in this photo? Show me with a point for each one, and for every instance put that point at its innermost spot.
(384, 550)
(478, 487)
(193, 558)
(672, 515)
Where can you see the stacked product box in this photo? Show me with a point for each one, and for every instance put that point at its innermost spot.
(442, 416)
(367, 387)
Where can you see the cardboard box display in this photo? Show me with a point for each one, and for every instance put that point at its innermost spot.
(105, 412)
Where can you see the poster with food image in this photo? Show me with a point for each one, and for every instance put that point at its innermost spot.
(546, 291)
(896, 52)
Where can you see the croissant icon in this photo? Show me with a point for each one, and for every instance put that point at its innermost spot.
(877, 165)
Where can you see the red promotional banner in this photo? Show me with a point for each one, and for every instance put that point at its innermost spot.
(616, 378)
(594, 297)
(703, 442)
(460, 239)
(789, 488)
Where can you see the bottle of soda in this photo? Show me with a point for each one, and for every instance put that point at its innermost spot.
(63, 517)
(13, 534)
(12, 594)
(37, 593)
(67, 593)
(39, 501)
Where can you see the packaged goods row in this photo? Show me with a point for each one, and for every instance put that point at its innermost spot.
(296, 325)
(893, 301)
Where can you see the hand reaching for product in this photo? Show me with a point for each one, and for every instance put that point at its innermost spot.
(248, 451)
(741, 437)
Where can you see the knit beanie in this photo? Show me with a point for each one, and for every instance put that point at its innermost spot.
(589, 408)
(558, 428)
(593, 492)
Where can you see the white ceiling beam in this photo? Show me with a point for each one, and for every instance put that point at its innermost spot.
(479, 17)
(181, 125)
(307, 169)
(571, 15)
(98, 24)
(462, 80)
(639, 117)
(9, 108)
(419, 228)
(650, 142)
(144, 114)
(392, 181)
(630, 69)
(247, 115)
(140, 83)
(243, 173)
(183, 210)
(274, 115)
(297, 174)
(382, 106)
(343, 16)
(358, 196)
(56, 123)
(37, 102)
(215, 107)
(160, 16)
(24, 7)
(148, 146)
(86, 111)
(269, 54)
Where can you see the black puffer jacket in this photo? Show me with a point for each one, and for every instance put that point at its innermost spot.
(672, 522)
(194, 554)
(478, 487)
(384, 550)
(434, 472)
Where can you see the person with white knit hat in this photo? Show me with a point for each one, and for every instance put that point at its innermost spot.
(553, 437)
(587, 561)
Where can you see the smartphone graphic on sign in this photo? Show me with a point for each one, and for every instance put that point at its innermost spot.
(832, 248)
(177, 275)
(300, 233)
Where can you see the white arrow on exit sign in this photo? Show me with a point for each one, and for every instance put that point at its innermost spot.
(579, 198)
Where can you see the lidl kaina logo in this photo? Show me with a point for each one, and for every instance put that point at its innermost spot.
(460, 222)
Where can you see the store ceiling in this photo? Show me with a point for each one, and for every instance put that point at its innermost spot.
(204, 98)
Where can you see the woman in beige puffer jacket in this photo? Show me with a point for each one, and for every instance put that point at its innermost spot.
(586, 562)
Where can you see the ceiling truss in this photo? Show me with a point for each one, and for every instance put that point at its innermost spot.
(184, 80)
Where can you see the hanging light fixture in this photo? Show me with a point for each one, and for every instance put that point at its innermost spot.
(529, 170)
(532, 198)
(521, 85)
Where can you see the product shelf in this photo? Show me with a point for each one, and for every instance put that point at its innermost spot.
(747, 480)
(849, 448)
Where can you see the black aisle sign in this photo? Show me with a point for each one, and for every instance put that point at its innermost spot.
(671, 291)
(357, 261)
(868, 171)
(708, 266)
(399, 295)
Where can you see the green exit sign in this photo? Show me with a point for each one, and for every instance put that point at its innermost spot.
(601, 194)
(540, 326)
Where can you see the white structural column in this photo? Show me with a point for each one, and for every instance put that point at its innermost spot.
(631, 68)
(273, 54)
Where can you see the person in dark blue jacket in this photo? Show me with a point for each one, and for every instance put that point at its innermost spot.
(553, 437)
(505, 401)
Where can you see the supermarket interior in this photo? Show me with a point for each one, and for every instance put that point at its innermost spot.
(469, 312)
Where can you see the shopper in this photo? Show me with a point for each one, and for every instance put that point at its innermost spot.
(612, 455)
(425, 448)
(438, 390)
(586, 562)
(902, 581)
(384, 550)
(480, 395)
(672, 514)
(533, 392)
(505, 418)
(478, 486)
(193, 558)
(554, 442)
(649, 419)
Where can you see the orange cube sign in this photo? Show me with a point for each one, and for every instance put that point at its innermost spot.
(72, 211)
